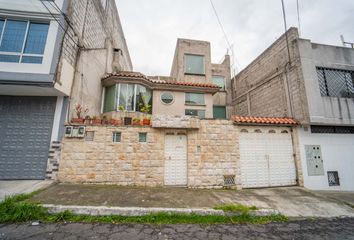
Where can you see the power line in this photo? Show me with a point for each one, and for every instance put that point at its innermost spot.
(225, 36)
(298, 16)
(286, 29)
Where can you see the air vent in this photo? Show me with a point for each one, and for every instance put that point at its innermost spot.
(229, 180)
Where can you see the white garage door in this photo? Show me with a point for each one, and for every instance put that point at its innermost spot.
(175, 159)
(266, 156)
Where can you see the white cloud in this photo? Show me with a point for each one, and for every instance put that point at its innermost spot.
(152, 27)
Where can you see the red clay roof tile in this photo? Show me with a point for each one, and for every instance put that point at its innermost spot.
(264, 120)
(140, 75)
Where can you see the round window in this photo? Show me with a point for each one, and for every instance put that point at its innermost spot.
(167, 97)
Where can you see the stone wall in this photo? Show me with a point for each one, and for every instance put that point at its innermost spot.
(212, 153)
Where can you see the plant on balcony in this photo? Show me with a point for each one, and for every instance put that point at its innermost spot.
(96, 120)
(136, 121)
(104, 119)
(115, 122)
(87, 119)
(146, 108)
(79, 111)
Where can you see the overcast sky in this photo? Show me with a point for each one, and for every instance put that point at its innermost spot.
(152, 27)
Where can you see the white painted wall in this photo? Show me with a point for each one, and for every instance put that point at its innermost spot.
(56, 121)
(337, 154)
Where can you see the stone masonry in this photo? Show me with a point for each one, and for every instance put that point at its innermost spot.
(212, 153)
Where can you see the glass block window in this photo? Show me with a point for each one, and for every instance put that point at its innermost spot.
(194, 64)
(116, 137)
(195, 112)
(335, 82)
(142, 137)
(22, 41)
(195, 98)
(333, 178)
(220, 81)
(219, 112)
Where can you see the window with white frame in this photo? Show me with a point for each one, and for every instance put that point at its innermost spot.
(22, 41)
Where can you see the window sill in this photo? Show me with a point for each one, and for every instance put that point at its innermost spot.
(192, 104)
(195, 74)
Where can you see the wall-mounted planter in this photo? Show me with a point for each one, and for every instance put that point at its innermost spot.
(78, 120)
(96, 121)
(146, 121)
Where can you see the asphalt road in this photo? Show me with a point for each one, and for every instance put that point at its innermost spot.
(305, 229)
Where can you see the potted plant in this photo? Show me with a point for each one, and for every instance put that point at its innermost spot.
(79, 110)
(127, 120)
(146, 108)
(104, 119)
(96, 120)
(136, 121)
(87, 119)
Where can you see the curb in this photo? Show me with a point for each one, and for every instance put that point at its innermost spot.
(140, 211)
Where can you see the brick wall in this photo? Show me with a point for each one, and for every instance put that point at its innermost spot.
(270, 85)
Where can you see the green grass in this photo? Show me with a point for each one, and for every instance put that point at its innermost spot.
(236, 208)
(19, 209)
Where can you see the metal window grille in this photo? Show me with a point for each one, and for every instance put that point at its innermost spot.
(335, 82)
(333, 178)
(89, 135)
(332, 129)
(229, 180)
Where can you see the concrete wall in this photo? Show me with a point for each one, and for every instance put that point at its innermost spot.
(178, 106)
(322, 109)
(187, 46)
(98, 31)
(337, 155)
(270, 86)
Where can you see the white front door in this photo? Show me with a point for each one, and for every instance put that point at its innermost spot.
(175, 159)
(266, 156)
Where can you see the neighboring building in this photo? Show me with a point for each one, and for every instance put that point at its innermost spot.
(314, 85)
(53, 54)
(192, 64)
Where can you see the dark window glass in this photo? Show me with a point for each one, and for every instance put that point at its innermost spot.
(219, 112)
(167, 97)
(142, 137)
(30, 59)
(36, 38)
(13, 37)
(9, 58)
(194, 112)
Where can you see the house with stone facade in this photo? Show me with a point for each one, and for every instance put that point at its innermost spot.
(53, 55)
(313, 83)
(178, 131)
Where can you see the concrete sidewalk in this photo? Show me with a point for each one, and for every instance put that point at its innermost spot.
(9, 188)
(289, 201)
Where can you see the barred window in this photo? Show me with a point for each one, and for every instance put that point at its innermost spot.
(335, 82)
(332, 129)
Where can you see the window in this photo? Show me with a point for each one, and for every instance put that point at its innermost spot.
(194, 64)
(219, 112)
(336, 83)
(220, 81)
(167, 97)
(194, 112)
(127, 97)
(22, 41)
(89, 135)
(195, 98)
(116, 137)
(333, 178)
(142, 137)
(332, 129)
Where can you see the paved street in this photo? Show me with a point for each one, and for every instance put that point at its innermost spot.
(305, 229)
